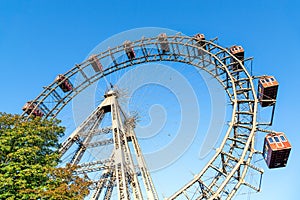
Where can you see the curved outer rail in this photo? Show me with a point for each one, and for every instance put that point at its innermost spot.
(228, 167)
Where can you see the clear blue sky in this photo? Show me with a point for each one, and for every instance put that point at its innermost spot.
(39, 39)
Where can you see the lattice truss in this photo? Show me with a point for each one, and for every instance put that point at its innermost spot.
(223, 175)
(119, 169)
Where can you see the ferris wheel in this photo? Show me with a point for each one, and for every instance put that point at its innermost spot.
(105, 145)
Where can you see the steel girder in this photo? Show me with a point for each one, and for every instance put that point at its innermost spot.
(232, 159)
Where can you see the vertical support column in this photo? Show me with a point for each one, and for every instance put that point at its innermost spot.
(120, 164)
(131, 172)
(125, 171)
(150, 189)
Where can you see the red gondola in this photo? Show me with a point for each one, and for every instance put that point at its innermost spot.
(164, 45)
(129, 50)
(64, 83)
(276, 150)
(97, 66)
(29, 108)
(199, 38)
(267, 90)
(239, 53)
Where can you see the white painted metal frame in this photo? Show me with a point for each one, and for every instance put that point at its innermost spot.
(232, 159)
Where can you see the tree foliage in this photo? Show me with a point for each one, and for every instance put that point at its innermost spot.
(28, 157)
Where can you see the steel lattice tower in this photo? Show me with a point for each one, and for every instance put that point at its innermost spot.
(119, 171)
(233, 159)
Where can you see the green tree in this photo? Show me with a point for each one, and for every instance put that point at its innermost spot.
(64, 185)
(28, 157)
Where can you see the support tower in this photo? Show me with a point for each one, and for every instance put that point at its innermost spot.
(126, 164)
